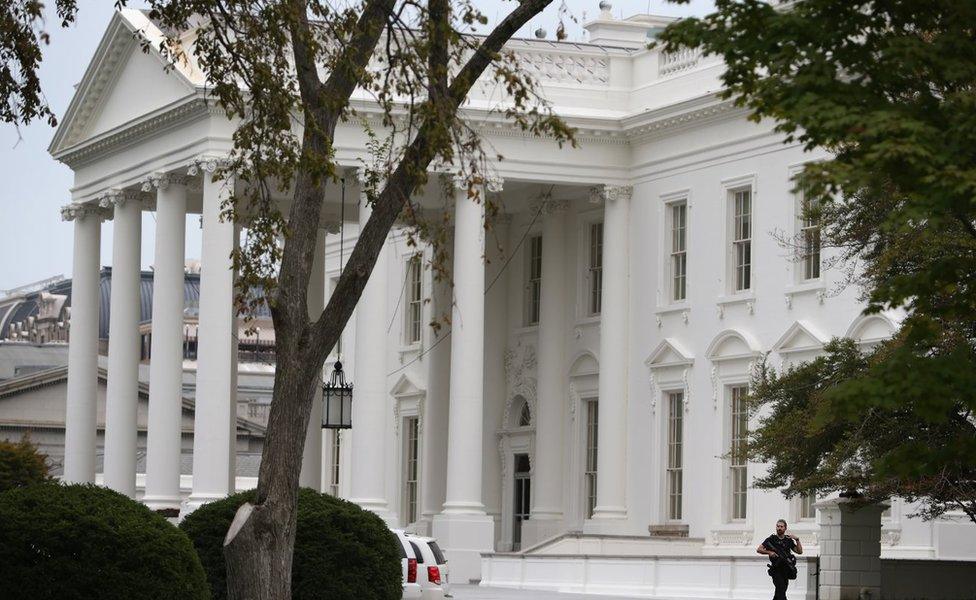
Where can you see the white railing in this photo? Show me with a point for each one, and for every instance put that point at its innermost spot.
(676, 62)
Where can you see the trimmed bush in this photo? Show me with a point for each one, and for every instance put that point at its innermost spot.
(341, 551)
(84, 541)
(21, 464)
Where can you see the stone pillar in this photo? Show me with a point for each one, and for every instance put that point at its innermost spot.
(214, 422)
(370, 406)
(81, 410)
(438, 359)
(165, 435)
(496, 341)
(311, 475)
(122, 390)
(850, 549)
(611, 490)
(463, 526)
(547, 472)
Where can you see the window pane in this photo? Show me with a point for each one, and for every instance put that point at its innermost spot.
(534, 281)
(674, 466)
(596, 267)
(590, 473)
(678, 251)
(738, 465)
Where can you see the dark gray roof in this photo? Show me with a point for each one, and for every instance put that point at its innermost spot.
(29, 305)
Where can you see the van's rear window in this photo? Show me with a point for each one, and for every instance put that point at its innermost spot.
(438, 555)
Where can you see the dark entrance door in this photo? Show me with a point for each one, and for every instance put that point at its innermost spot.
(523, 500)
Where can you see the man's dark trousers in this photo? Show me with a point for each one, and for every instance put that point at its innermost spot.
(780, 582)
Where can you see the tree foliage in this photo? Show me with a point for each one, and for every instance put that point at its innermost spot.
(21, 464)
(85, 541)
(889, 89)
(816, 440)
(342, 551)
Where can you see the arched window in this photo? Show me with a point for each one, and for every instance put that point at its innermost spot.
(525, 416)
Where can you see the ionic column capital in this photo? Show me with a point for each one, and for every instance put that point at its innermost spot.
(610, 193)
(207, 163)
(117, 198)
(161, 181)
(81, 210)
(494, 183)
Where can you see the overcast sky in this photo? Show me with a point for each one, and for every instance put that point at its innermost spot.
(35, 244)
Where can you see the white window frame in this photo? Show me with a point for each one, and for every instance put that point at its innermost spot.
(585, 221)
(594, 278)
(591, 424)
(808, 260)
(803, 502)
(335, 462)
(677, 252)
(674, 417)
(413, 306)
(411, 469)
(532, 300)
(731, 188)
(735, 465)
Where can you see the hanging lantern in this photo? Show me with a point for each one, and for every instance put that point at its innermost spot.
(337, 396)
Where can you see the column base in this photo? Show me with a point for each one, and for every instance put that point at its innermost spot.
(195, 501)
(163, 503)
(464, 537)
(539, 528)
(380, 509)
(609, 520)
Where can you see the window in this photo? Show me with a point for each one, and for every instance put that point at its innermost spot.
(740, 433)
(676, 401)
(533, 287)
(809, 237)
(589, 475)
(410, 480)
(334, 463)
(337, 349)
(525, 416)
(741, 240)
(679, 257)
(415, 300)
(596, 268)
(807, 510)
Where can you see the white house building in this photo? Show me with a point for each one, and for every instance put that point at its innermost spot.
(569, 431)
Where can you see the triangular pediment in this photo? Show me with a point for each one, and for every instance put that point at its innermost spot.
(669, 353)
(405, 387)
(122, 82)
(800, 337)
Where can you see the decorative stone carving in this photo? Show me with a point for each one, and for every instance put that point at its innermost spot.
(80, 210)
(789, 301)
(735, 537)
(687, 385)
(610, 193)
(714, 377)
(396, 418)
(890, 537)
(557, 67)
(206, 164)
(161, 181)
(520, 362)
(574, 400)
(654, 392)
(494, 183)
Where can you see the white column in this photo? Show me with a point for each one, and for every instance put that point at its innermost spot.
(80, 416)
(311, 475)
(370, 405)
(611, 482)
(165, 435)
(463, 525)
(547, 472)
(122, 390)
(438, 359)
(216, 393)
(495, 342)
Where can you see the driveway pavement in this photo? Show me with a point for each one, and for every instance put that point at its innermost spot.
(474, 592)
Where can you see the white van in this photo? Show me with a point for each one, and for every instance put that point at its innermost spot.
(409, 561)
(432, 569)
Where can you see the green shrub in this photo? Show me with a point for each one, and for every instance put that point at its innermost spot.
(341, 551)
(21, 464)
(84, 541)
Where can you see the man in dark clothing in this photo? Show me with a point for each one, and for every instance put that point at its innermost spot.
(779, 548)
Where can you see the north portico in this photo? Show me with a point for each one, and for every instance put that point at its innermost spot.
(602, 329)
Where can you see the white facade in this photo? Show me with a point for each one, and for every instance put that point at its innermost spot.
(681, 182)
